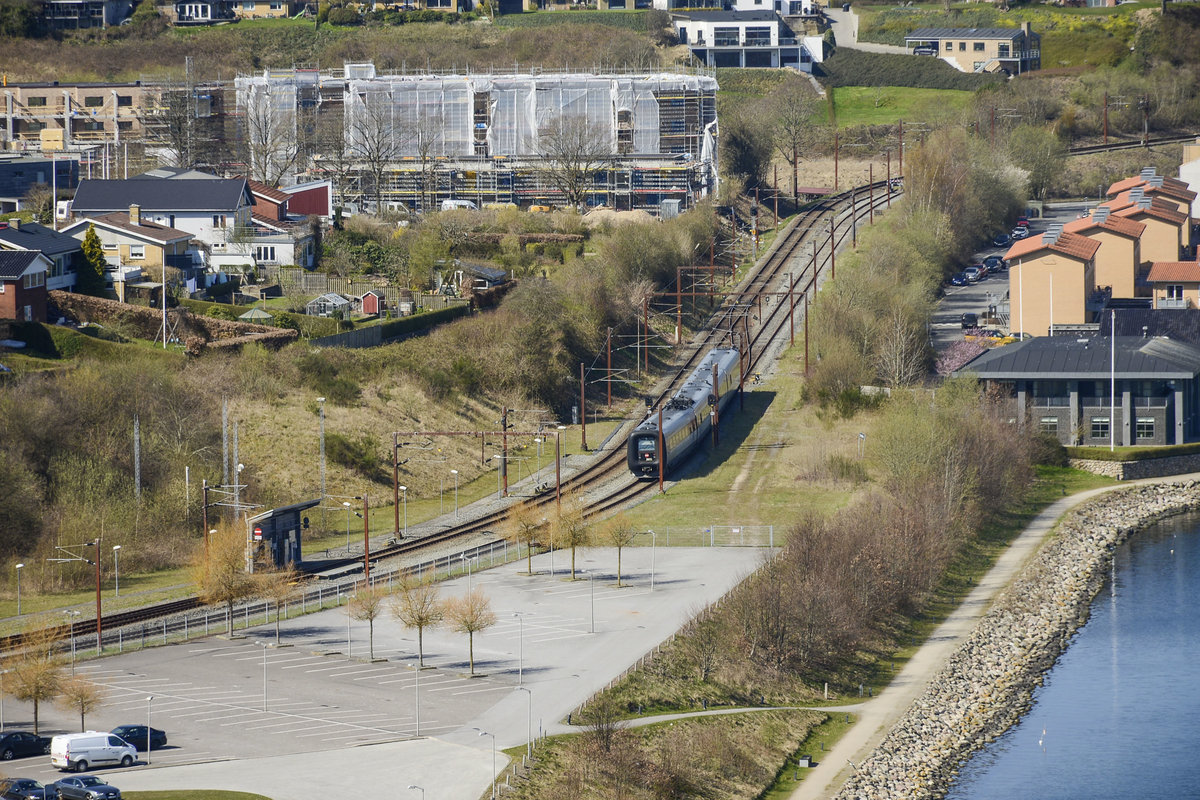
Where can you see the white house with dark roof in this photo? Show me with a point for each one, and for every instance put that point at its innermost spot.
(211, 209)
(1011, 50)
(62, 250)
(746, 39)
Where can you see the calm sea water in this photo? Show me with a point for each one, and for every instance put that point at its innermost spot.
(1119, 714)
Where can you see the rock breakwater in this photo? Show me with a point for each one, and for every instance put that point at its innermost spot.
(988, 682)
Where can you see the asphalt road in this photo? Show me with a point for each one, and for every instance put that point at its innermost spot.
(336, 721)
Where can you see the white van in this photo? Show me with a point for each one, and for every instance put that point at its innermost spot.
(82, 751)
(450, 205)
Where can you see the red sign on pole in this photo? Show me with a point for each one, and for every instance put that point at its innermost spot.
(257, 534)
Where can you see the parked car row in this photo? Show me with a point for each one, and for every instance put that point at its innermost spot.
(75, 787)
(78, 752)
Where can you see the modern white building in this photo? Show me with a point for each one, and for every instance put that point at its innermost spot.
(746, 39)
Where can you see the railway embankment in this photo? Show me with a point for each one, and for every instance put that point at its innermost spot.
(989, 681)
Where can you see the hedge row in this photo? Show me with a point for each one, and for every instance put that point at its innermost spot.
(418, 322)
(1133, 453)
(848, 67)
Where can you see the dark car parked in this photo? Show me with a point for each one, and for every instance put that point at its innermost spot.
(23, 789)
(17, 744)
(84, 787)
(1001, 240)
(995, 263)
(959, 279)
(136, 736)
(970, 320)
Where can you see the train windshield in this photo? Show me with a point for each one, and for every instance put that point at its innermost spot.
(645, 445)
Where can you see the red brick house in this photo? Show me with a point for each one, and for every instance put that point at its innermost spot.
(23, 285)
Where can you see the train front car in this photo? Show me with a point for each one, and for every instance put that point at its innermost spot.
(686, 417)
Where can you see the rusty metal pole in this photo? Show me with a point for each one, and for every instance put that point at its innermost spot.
(396, 481)
(582, 408)
(678, 305)
(608, 367)
(836, 143)
(832, 251)
(889, 178)
(806, 333)
(367, 540)
(646, 322)
(901, 148)
(815, 268)
(662, 465)
(791, 309)
(99, 622)
(871, 191)
(504, 449)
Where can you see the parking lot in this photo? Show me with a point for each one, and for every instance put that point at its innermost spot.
(325, 699)
(992, 290)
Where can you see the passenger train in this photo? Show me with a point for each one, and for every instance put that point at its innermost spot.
(687, 416)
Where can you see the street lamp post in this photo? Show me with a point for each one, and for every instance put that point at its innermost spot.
(71, 615)
(417, 697)
(520, 648)
(263, 645)
(321, 411)
(19, 568)
(653, 542)
(468, 561)
(116, 570)
(404, 495)
(149, 706)
(346, 503)
(454, 472)
(592, 591)
(537, 482)
(528, 722)
(485, 733)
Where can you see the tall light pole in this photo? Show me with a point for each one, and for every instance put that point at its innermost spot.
(653, 542)
(346, 503)
(263, 645)
(468, 561)
(528, 722)
(71, 617)
(404, 495)
(520, 648)
(485, 733)
(116, 570)
(321, 412)
(19, 568)
(538, 480)
(149, 705)
(454, 472)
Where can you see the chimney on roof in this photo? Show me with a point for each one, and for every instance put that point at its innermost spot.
(1148, 172)
(15, 223)
(1026, 29)
(1144, 203)
(1100, 215)
(1052, 233)
(1156, 181)
(135, 214)
(1137, 193)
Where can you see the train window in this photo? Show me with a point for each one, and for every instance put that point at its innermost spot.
(646, 445)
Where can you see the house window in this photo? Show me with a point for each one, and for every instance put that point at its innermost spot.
(1004, 51)
(1175, 291)
(1099, 427)
(218, 220)
(276, 5)
(263, 252)
(978, 47)
(949, 45)
(137, 251)
(34, 280)
(1145, 427)
(962, 47)
(124, 100)
(248, 5)
(1048, 425)
(107, 246)
(726, 37)
(93, 101)
(36, 102)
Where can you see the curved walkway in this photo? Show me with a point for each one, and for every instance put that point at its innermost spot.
(879, 715)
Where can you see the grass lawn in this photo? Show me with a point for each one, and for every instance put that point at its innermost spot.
(885, 105)
(819, 740)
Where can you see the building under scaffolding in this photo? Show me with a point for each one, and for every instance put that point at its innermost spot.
(493, 138)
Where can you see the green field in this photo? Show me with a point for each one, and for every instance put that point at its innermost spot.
(884, 105)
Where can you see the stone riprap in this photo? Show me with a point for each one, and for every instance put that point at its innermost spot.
(1136, 470)
(988, 683)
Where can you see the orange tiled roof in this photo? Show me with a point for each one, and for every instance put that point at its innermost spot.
(1174, 272)
(1125, 184)
(1068, 244)
(1173, 190)
(1121, 225)
(266, 191)
(1160, 210)
(150, 230)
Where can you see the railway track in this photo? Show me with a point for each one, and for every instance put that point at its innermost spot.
(607, 475)
(1130, 145)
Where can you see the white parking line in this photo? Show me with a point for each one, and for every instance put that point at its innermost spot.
(459, 685)
(343, 663)
(481, 691)
(359, 671)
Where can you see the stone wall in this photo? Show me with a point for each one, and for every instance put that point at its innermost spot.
(198, 333)
(988, 683)
(1134, 470)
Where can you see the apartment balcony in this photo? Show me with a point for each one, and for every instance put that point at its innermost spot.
(1172, 302)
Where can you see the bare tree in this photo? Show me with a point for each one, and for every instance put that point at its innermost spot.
(793, 127)
(602, 717)
(371, 135)
(901, 356)
(335, 158)
(220, 572)
(575, 152)
(78, 694)
(39, 201)
(35, 668)
(525, 525)
(421, 137)
(619, 532)
(182, 124)
(366, 605)
(570, 528)
(470, 614)
(270, 139)
(277, 586)
(417, 605)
